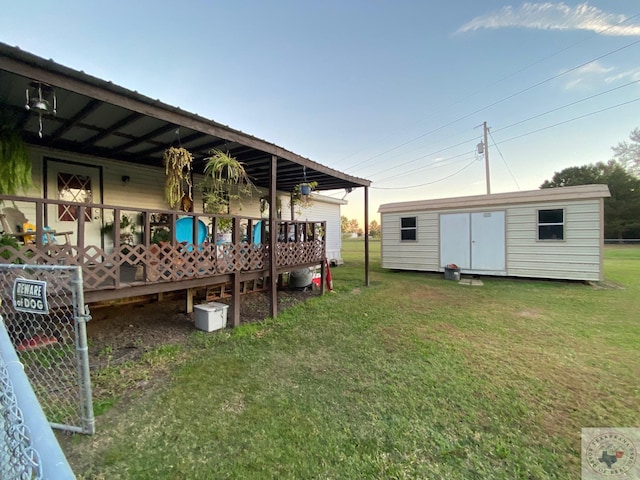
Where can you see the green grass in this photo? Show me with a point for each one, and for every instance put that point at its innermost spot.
(411, 377)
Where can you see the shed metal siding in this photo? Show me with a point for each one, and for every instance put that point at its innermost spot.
(577, 257)
(422, 254)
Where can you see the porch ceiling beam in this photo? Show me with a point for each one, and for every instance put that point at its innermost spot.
(205, 147)
(68, 124)
(184, 141)
(39, 69)
(152, 134)
(113, 128)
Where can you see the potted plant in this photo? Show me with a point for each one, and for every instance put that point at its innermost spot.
(15, 164)
(225, 179)
(160, 236)
(177, 188)
(225, 226)
(127, 228)
(298, 196)
(305, 189)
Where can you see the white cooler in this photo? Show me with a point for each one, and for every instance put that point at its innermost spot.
(211, 316)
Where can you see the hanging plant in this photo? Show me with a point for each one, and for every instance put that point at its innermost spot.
(225, 179)
(300, 194)
(177, 165)
(15, 164)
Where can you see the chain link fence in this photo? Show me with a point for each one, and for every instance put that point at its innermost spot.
(28, 447)
(45, 316)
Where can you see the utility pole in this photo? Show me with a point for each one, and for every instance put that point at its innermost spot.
(486, 157)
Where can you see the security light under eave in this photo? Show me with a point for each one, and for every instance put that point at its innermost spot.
(40, 96)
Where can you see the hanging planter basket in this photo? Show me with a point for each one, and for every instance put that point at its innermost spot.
(177, 163)
(305, 189)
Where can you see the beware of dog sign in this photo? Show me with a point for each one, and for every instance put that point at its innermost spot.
(30, 296)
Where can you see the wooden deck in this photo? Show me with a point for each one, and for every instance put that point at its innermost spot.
(119, 271)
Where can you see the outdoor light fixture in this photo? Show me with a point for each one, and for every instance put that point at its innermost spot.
(41, 98)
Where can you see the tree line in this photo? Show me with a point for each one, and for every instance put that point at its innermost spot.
(351, 226)
(622, 175)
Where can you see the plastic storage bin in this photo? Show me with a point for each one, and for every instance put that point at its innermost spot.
(211, 316)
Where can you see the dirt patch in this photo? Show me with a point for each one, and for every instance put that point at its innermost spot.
(121, 333)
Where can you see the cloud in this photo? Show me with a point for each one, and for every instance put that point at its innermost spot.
(554, 16)
(584, 76)
(629, 75)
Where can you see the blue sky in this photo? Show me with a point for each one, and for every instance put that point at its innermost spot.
(391, 91)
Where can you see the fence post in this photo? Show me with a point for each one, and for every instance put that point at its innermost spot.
(82, 316)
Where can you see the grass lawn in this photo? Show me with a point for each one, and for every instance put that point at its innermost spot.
(412, 377)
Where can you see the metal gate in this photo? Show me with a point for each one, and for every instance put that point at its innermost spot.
(44, 312)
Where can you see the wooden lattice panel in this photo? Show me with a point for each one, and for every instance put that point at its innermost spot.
(142, 264)
(300, 253)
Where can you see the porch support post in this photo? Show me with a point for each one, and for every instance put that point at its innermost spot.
(189, 300)
(366, 236)
(235, 294)
(273, 238)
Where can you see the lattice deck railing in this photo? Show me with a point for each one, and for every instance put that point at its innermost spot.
(142, 264)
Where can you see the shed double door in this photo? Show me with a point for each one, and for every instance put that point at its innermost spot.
(475, 242)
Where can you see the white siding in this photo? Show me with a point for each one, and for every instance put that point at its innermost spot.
(422, 254)
(330, 212)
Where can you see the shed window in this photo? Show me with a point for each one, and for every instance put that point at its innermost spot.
(408, 228)
(551, 224)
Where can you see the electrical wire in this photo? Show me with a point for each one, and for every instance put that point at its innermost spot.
(504, 160)
(566, 105)
(571, 120)
(497, 102)
(404, 187)
(497, 147)
(385, 171)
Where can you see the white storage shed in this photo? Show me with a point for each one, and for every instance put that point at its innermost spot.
(548, 233)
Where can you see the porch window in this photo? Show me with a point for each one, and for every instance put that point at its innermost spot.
(408, 228)
(551, 224)
(73, 188)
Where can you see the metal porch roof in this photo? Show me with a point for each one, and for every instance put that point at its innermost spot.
(95, 117)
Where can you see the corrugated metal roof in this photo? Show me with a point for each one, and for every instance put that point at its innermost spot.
(95, 117)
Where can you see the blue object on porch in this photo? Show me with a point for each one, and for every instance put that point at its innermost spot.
(257, 232)
(46, 236)
(184, 230)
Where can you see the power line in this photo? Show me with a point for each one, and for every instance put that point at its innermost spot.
(571, 120)
(503, 159)
(590, 97)
(497, 102)
(404, 187)
(421, 157)
(431, 165)
(504, 141)
(567, 105)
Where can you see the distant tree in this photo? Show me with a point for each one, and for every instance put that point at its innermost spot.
(622, 209)
(344, 224)
(353, 226)
(628, 154)
(374, 228)
(572, 176)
